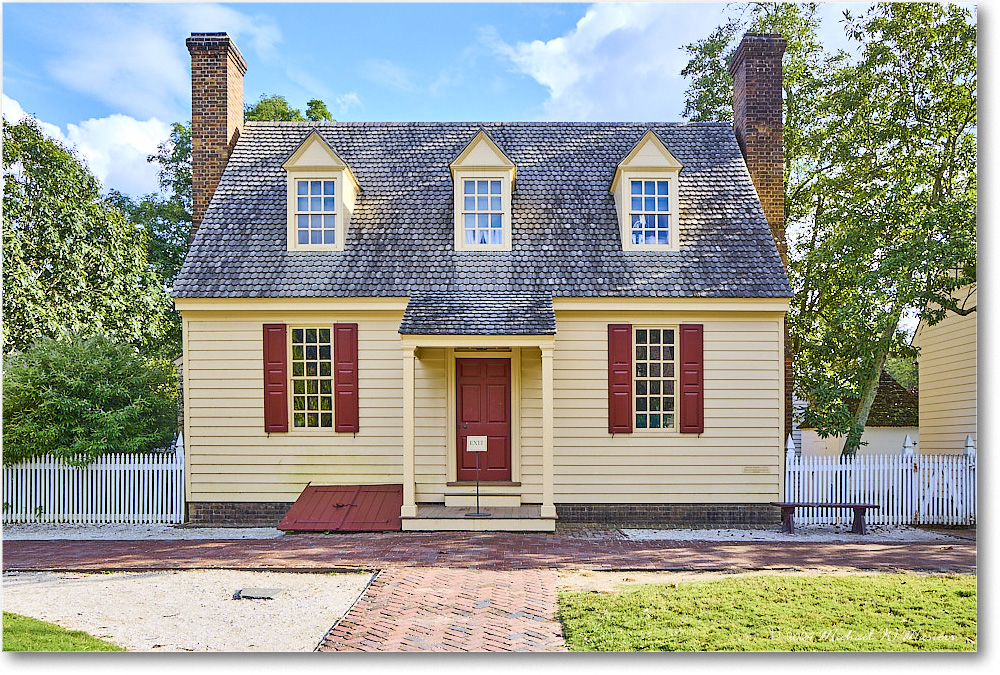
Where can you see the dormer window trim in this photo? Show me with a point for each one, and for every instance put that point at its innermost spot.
(652, 165)
(483, 164)
(315, 162)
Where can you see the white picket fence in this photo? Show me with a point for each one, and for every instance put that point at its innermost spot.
(116, 488)
(909, 489)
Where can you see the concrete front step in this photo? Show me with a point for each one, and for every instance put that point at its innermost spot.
(469, 499)
(438, 517)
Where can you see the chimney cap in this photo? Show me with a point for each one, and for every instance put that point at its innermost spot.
(763, 44)
(212, 41)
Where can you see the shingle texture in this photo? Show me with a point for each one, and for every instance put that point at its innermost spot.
(566, 238)
(444, 314)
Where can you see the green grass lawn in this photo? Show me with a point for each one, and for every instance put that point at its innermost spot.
(24, 634)
(877, 612)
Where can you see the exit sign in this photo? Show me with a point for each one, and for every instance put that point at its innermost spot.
(475, 443)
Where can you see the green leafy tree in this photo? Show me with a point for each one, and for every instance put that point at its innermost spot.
(82, 397)
(880, 166)
(71, 260)
(272, 109)
(167, 221)
(275, 108)
(316, 111)
(904, 197)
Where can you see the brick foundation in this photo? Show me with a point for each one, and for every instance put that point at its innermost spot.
(671, 515)
(237, 514)
(269, 514)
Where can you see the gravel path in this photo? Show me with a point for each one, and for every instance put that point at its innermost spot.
(188, 610)
(35, 531)
(803, 533)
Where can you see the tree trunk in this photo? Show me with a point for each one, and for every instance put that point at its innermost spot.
(853, 442)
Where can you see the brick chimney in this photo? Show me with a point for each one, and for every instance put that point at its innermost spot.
(757, 119)
(217, 70)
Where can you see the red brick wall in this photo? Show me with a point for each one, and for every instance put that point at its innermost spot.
(217, 70)
(757, 120)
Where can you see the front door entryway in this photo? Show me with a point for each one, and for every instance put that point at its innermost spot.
(484, 410)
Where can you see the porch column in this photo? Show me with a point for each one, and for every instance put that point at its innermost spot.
(548, 492)
(409, 509)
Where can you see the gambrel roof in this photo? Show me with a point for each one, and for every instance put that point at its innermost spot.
(566, 238)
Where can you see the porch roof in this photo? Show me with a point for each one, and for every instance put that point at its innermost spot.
(483, 313)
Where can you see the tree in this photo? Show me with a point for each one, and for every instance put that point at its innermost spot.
(272, 109)
(317, 112)
(82, 397)
(904, 199)
(275, 108)
(880, 167)
(71, 261)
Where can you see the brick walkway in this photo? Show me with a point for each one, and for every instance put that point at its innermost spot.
(440, 609)
(485, 551)
(473, 592)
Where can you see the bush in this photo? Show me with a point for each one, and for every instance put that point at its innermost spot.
(80, 398)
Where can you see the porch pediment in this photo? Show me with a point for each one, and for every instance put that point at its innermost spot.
(486, 314)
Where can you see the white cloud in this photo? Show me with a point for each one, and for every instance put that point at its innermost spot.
(620, 61)
(133, 58)
(14, 113)
(347, 101)
(383, 71)
(115, 148)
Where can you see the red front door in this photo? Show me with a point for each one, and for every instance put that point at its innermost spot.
(484, 410)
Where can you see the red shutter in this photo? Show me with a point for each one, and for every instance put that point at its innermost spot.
(692, 403)
(620, 378)
(345, 376)
(275, 378)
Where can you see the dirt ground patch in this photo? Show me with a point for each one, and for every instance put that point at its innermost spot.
(190, 610)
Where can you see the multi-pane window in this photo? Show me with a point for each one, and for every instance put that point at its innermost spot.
(316, 211)
(650, 212)
(482, 212)
(655, 378)
(312, 377)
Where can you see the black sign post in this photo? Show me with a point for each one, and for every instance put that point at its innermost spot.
(476, 445)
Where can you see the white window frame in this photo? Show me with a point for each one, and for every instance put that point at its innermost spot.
(636, 379)
(292, 379)
(294, 213)
(670, 212)
(489, 211)
(625, 210)
(505, 189)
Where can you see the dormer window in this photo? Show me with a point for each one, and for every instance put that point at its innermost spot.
(321, 195)
(650, 211)
(484, 181)
(645, 190)
(482, 211)
(316, 211)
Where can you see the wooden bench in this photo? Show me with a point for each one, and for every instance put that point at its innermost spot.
(788, 508)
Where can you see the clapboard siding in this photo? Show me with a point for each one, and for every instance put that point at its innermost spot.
(743, 416)
(231, 458)
(948, 377)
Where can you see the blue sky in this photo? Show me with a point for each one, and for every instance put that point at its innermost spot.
(110, 78)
